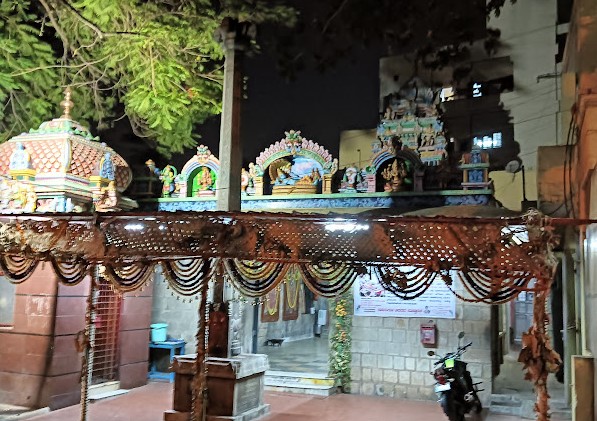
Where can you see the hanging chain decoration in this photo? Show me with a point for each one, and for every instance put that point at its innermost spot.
(70, 273)
(329, 279)
(17, 268)
(407, 283)
(128, 277)
(187, 276)
(254, 278)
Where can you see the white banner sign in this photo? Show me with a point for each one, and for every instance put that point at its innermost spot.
(370, 299)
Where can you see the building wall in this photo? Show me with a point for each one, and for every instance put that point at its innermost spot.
(39, 364)
(135, 318)
(508, 188)
(25, 347)
(182, 316)
(388, 358)
(528, 36)
(301, 328)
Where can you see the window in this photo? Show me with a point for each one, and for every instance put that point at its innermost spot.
(477, 90)
(447, 94)
(489, 142)
(7, 302)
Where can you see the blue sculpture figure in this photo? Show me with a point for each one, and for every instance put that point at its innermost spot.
(20, 158)
(107, 166)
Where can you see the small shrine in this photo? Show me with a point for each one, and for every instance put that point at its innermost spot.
(198, 177)
(293, 165)
(62, 167)
(475, 169)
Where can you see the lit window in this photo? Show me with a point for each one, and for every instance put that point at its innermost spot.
(447, 94)
(477, 90)
(488, 142)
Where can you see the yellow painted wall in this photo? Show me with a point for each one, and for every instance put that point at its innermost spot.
(508, 187)
(350, 143)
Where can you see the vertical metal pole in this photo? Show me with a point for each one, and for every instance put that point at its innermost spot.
(89, 338)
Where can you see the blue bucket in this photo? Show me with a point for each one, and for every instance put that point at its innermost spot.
(159, 332)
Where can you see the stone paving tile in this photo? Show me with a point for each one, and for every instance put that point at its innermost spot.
(148, 403)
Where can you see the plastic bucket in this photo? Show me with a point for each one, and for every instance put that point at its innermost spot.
(159, 332)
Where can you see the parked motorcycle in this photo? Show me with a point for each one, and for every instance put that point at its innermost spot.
(454, 386)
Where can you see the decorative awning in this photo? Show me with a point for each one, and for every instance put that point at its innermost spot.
(494, 258)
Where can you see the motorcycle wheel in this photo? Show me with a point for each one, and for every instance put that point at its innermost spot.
(453, 411)
(478, 406)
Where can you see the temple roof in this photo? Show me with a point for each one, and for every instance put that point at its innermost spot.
(63, 146)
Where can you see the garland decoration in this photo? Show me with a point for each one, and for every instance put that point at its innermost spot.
(254, 278)
(17, 268)
(329, 279)
(129, 277)
(341, 341)
(70, 273)
(187, 276)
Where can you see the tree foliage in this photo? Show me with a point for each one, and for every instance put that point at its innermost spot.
(158, 64)
(157, 60)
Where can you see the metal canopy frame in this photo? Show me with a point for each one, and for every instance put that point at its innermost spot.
(494, 258)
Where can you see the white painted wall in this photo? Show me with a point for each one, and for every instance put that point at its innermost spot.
(528, 36)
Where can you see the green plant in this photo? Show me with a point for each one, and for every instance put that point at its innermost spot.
(156, 63)
(341, 341)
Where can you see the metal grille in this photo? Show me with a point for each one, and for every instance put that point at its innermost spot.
(106, 322)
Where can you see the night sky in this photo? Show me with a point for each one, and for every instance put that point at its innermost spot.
(320, 104)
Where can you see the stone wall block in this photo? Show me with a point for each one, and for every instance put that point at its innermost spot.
(399, 336)
(376, 322)
(360, 346)
(389, 322)
(390, 376)
(369, 360)
(417, 379)
(398, 363)
(384, 335)
(366, 374)
(367, 389)
(377, 375)
(410, 363)
(423, 365)
(404, 377)
(385, 361)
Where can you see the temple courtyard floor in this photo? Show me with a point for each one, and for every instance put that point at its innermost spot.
(149, 402)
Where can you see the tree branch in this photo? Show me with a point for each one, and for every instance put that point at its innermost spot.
(338, 10)
(101, 34)
(57, 28)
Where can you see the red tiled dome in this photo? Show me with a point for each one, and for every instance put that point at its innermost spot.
(64, 146)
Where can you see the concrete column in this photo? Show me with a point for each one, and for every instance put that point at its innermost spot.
(228, 194)
(570, 332)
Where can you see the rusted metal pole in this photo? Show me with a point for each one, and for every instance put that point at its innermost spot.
(199, 399)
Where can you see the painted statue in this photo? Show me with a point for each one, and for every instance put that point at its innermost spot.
(168, 174)
(349, 180)
(396, 176)
(20, 158)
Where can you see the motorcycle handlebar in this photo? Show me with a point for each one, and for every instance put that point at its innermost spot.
(459, 351)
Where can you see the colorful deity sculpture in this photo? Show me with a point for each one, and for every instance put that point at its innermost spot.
(396, 176)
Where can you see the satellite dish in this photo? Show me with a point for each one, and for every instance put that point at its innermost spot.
(513, 167)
